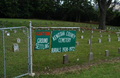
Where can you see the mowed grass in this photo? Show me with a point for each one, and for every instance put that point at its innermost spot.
(16, 62)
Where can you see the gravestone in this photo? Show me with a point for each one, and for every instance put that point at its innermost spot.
(15, 31)
(8, 34)
(79, 29)
(89, 41)
(99, 40)
(81, 36)
(82, 31)
(117, 34)
(5, 31)
(77, 43)
(119, 50)
(109, 39)
(108, 35)
(15, 47)
(23, 31)
(99, 31)
(91, 31)
(118, 39)
(91, 36)
(90, 56)
(65, 59)
(18, 40)
(106, 53)
(100, 35)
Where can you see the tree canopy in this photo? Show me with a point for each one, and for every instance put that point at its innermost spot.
(68, 10)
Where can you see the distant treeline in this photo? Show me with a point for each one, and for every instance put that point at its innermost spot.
(68, 10)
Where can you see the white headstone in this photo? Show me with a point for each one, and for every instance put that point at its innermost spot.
(5, 31)
(89, 41)
(23, 31)
(91, 56)
(18, 40)
(91, 36)
(100, 35)
(8, 34)
(77, 43)
(99, 40)
(106, 53)
(79, 29)
(82, 31)
(109, 39)
(99, 31)
(92, 31)
(15, 47)
(15, 31)
(117, 34)
(81, 36)
(118, 38)
(108, 35)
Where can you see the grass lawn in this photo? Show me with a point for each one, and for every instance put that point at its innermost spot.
(16, 62)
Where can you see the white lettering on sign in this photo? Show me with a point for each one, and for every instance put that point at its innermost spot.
(38, 46)
(64, 40)
(42, 40)
(56, 49)
(70, 34)
(58, 35)
(46, 46)
(65, 49)
(71, 48)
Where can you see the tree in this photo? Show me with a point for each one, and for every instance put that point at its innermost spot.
(103, 6)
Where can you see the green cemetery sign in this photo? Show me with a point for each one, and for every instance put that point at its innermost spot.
(63, 41)
(42, 39)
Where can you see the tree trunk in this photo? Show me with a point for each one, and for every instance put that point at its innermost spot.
(102, 20)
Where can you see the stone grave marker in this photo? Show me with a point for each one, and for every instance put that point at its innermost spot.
(100, 35)
(23, 31)
(81, 36)
(99, 40)
(118, 39)
(65, 59)
(119, 50)
(79, 29)
(77, 43)
(117, 34)
(18, 40)
(89, 41)
(91, 36)
(82, 31)
(90, 56)
(92, 31)
(5, 31)
(108, 35)
(15, 31)
(106, 53)
(109, 39)
(15, 47)
(8, 34)
(99, 31)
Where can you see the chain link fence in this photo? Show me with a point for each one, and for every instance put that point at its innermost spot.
(14, 52)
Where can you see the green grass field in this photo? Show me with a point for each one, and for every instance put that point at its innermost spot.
(16, 62)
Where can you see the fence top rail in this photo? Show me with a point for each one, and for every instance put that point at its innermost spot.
(13, 27)
(56, 27)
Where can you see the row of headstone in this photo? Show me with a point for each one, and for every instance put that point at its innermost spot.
(106, 54)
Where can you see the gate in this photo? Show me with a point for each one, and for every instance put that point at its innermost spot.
(14, 52)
